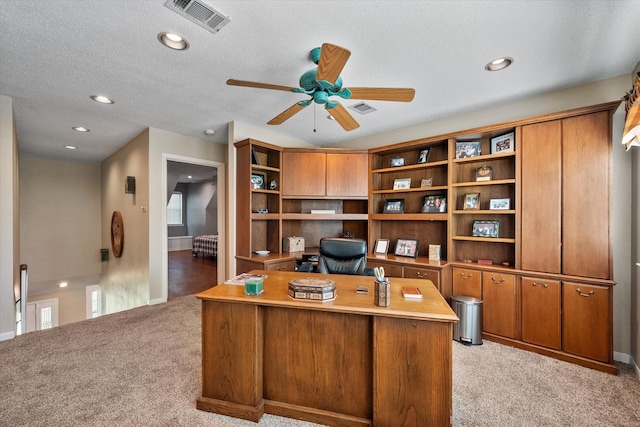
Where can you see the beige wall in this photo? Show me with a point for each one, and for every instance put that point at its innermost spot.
(163, 146)
(72, 304)
(125, 280)
(635, 258)
(9, 218)
(60, 221)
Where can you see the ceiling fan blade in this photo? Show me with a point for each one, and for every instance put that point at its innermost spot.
(343, 117)
(332, 60)
(233, 82)
(382, 93)
(286, 114)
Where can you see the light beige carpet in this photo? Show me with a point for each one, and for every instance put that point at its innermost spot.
(142, 368)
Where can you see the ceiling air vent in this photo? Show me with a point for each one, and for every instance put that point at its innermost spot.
(362, 108)
(200, 13)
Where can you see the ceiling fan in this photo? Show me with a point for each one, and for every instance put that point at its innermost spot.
(325, 81)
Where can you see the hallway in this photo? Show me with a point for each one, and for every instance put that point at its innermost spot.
(189, 275)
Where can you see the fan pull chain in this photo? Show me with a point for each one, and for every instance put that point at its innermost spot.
(314, 116)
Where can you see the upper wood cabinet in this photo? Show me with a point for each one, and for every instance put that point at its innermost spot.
(542, 196)
(565, 196)
(317, 174)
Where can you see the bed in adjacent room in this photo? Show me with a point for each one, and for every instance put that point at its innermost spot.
(205, 245)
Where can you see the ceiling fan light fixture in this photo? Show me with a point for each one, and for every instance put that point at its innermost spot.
(102, 99)
(173, 41)
(330, 117)
(499, 64)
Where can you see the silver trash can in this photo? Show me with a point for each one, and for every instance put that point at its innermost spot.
(468, 330)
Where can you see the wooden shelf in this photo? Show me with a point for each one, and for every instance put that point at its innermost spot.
(325, 217)
(485, 239)
(484, 212)
(412, 167)
(411, 190)
(410, 217)
(484, 157)
(482, 183)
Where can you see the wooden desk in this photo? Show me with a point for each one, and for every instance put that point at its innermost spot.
(346, 362)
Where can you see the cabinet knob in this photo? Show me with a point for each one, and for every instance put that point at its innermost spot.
(544, 285)
(498, 281)
(466, 276)
(422, 275)
(582, 294)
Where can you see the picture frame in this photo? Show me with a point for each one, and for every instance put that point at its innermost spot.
(471, 201)
(434, 204)
(426, 182)
(402, 184)
(423, 156)
(257, 181)
(381, 246)
(254, 156)
(484, 173)
(406, 247)
(397, 161)
(503, 143)
(499, 204)
(483, 228)
(468, 149)
(393, 206)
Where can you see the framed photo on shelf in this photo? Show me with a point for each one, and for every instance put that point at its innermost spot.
(468, 149)
(484, 173)
(393, 206)
(397, 161)
(503, 143)
(423, 156)
(402, 184)
(406, 247)
(254, 156)
(257, 181)
(381, 247)
(471, 201)
(486, 229)
(434, 204)
(499, 204)
(426, 182)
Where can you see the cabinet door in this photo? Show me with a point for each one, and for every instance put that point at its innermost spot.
(303, 174)
(585, 200)
(467, 282)
(541, 312)
(541, 150)
(347, 175)
(587, 321)
(499, 304)
(423, 273)
(390, 270)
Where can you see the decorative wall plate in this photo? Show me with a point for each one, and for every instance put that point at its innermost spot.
(117, 234)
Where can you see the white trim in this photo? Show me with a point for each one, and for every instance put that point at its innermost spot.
(634, 365)
(222, 231)
(7, 336)
(157, 301)
(621, 357)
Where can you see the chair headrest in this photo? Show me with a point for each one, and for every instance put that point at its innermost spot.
(341, 248)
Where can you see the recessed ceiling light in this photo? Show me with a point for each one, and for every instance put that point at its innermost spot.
(81, 129)
(63, 284)
(189, 176)
(499, 64)
(70, 147)
(210, 132)
(101, 99)
(173, 41)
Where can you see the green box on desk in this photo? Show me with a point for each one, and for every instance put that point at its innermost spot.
(254, 286)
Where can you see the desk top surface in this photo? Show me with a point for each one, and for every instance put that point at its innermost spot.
(431, 307)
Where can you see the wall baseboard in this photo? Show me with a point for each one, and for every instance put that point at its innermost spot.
(179, 243)
(621, 357)
(7, 335)
(636, 368)
(157, 301)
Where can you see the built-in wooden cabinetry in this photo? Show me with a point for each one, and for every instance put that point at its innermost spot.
(546, 280)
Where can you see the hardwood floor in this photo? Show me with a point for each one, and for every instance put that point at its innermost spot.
(189, 275)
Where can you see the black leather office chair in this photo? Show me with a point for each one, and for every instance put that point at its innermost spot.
(343, 256)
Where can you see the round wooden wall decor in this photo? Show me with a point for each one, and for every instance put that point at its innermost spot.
(117, 234)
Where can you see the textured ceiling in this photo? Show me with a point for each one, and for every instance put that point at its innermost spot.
(55, 54)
